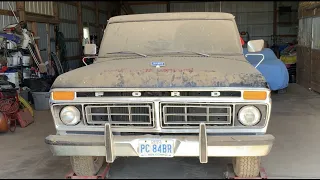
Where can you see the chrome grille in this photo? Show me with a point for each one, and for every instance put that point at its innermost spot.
(183, 115)
(120, 114)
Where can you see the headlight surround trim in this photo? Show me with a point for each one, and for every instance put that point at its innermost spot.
(250, 109)
(75, 112)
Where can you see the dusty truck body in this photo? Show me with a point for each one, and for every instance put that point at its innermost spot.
(164, 85)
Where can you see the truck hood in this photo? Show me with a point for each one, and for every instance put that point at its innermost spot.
(213, 71)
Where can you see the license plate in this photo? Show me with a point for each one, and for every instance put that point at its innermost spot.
(155, 148)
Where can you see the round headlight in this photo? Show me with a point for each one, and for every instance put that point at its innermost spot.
(249, 115)
(70, 115)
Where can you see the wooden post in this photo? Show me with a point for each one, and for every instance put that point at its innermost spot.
(80, 26)
(35, 31)
(49, 47)
(275, 24)
(56, 10)
(21, 10)
(97, 21)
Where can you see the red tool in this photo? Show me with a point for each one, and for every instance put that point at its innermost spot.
(24, 117)
(103, 174)
(9, 106)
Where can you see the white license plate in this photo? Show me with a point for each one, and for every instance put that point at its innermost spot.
(155, 148)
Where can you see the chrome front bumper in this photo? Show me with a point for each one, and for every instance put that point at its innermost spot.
(202, 145)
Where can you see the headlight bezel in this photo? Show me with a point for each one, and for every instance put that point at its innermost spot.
(263, 108)
(254, 110)
(77, 118)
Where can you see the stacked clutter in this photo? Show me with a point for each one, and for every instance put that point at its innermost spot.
(289, 58)
(292, 72)
(22, 65)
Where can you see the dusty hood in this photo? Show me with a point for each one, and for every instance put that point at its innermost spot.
(230, 71)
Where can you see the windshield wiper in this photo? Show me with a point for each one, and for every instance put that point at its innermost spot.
(202, 54)
(128, 52)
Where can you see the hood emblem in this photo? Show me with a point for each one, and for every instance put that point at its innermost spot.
(157, 64)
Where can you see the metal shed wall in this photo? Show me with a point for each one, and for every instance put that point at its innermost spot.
(308, 53)
(70, 32)
(52, 38)
(43, 41)
(88, 16)
(4, 5)
(88, 3)
(67, 11)
(152, 8)
(103, 5)
(4, 19)
(103, 18)
(255, 17)
(39, 7)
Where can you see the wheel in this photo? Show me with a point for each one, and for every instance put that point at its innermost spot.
(246, 167)
(86, 165)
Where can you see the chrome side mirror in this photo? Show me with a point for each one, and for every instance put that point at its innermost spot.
(255, 45)
(90, 49)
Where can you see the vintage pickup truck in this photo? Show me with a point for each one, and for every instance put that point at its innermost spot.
(164, 85)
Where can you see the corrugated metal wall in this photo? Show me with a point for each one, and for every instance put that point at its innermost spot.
(316, 33)
(67, 11)
(52, 39)
(255, 17)
(6, 20)
(74, 63)
(88, 16)
(5, 6)
(153, 8)
(88, 3)
(70, 32)
(39, 7)
(305, 32)
(103, 18)
(72, 49)
(102, 5)
(308, 51)
(187, 7)
(43, 41)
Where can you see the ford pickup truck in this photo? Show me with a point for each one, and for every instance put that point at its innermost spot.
(164, 85)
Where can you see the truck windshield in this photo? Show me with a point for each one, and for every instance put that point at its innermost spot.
(159, 37)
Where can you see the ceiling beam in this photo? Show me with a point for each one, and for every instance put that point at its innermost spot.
(147, 3)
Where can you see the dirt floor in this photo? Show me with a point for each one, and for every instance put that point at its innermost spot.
(295, 154)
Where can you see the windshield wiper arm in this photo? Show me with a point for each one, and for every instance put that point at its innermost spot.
(128, 52)
(202, 54)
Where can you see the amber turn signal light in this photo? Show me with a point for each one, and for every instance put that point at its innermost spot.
(254, 95)
(62, 95)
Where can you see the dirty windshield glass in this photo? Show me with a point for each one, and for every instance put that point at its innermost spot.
(158, 37)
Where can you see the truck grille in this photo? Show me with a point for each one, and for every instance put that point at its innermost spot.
(140, 115)
(184, 115)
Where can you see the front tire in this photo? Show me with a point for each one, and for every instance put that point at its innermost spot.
(246, 167)
(86, 165)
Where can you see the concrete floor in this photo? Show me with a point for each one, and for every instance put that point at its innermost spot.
(295, 154)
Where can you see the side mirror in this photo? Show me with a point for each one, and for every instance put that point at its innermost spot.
(255, 45)
(90, 49)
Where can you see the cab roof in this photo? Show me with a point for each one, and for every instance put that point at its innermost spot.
(172, 16)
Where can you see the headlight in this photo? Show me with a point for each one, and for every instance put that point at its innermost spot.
(249, 115)
(70, 115)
